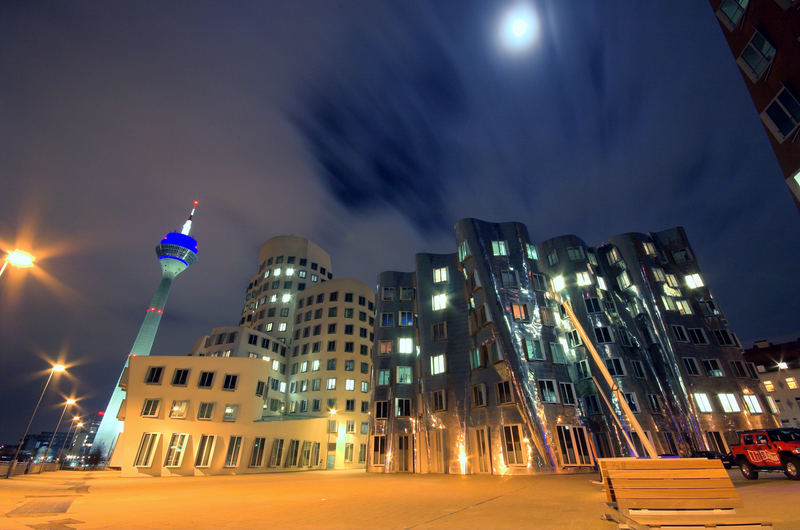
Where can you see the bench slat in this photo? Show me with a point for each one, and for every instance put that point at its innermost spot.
(670, 483)
(668, 473)
(669, 463)
(727, 522)
(676, 504)
(669, 494)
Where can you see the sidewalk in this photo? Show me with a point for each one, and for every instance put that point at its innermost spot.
(99, 500)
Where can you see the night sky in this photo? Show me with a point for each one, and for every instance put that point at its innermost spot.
(368, 127)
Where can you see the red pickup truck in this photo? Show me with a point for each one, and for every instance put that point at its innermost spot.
(768, 450)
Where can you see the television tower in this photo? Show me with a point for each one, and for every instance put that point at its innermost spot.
(176, 252)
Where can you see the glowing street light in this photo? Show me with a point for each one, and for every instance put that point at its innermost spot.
(57, 368)
(67, 403)
(519, 28)
(17, 258)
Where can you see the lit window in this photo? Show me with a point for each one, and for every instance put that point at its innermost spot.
(601, 283)
(277, 271)
(703, 404)
(273, 298)
(499, 248)
(672, 280)
(729, 403)
(315, 365)
(437, 364)
(289, 271)
(405, 345)
(350, 384)
(575, 253)
(331, 383)
(230, 412)
(773, 407)
(178, 409)
(282, 326)
(694, 281)
(583, 279)
(791, 382)
(623, 280)
(683, 307)
(649, 248)
(404, 374)
(286, 297)
(440, 275)
(752, 404)
(558, 283)
(531, 251)
(439, 301)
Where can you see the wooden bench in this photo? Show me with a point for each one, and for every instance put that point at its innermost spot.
(674, 494)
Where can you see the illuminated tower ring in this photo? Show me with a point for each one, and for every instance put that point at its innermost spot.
(176, 252)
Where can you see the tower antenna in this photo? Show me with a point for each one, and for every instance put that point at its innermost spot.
(187, 226)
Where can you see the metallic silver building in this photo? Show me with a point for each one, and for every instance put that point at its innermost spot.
(496, 379)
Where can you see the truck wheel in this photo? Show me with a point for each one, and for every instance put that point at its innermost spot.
(791, 467)
(747, 470)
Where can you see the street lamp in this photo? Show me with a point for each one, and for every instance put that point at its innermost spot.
(57, 368)
(17, 258)
(67, 403)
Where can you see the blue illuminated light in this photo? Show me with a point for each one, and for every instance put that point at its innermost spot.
(181, 240)
(173, 257)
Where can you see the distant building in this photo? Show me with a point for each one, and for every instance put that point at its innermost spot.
(778, 367)
(763, 36)
(295, 371)
(38, 444)
(478, 369)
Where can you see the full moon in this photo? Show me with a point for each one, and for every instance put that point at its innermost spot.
(519, 28)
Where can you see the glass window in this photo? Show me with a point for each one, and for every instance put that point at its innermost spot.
(175, 450)
(404, 375)
(782, 115)
(440, 275)
(437, 364)
(230, 412)
(178, 409)
(234, 449)
(703, 403)
(499, 248)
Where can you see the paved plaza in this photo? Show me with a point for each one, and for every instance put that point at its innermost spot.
(99, 500)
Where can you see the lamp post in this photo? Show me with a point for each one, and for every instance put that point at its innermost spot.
(57, 368)
(67, 403)
(328, 446)
(75, 420)
(17, 258)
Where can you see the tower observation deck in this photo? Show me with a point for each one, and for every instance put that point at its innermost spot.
(176, 252)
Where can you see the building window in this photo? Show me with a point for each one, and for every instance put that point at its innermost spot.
(693, 281)
(655, 403)
(205, 411)
(205, 450)
(583, 370)
(603, 334)
(756, 56)
(567, 393)
(402, 407)
(385, 347)
(703, 404)
(533, 349)
(782, 115)
(624, 280)
(331, 383)
(230, 412)
(690, 363)
(180, 376)
(388, 294)
(504, 394)
(697, 336)
(349, 384)
(405, 345)
(615, 366)
(499, 248)
(613, 256)
(547, 390)
(146, 451)
(519, 312)
(791, 382)
(712, 368)
(531, 251)
(230, 382)
(350, 426)
(439, 331)
(729, 403)
(178, 409)
(437, 364)
(384, 377)
(680, 333)
(649, 248)
(638, 369)
(539, 282)
(552, 258)
(404, 375)
(633, 402)
(387, 320)
(150, 408)
(439, 301)
(479, 396)
(731, 12)
(234, 450)
(440, 275)
(153, 376)
(175, 450)
(752, 403)
(513, 445)
(557, 353)
(573, 338)
(381, 410)
(364, 387)
(725, 338)
(406, 293)
(406, 318)
(592, 305)
(439, 400)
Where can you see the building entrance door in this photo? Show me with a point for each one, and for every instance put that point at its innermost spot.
(482, 447)
(404, 452)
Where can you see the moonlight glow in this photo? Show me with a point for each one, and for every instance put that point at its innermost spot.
(519, 28)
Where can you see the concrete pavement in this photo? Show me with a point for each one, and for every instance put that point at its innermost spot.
(99, 500)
